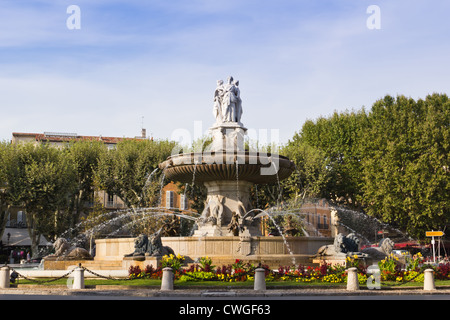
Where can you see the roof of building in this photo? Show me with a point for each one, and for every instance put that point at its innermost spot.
(65, 137)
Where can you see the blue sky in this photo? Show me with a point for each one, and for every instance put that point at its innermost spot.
(160, 59)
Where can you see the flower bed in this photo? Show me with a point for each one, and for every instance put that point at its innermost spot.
(390, 270)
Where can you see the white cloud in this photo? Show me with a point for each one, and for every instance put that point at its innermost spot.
(293, 63)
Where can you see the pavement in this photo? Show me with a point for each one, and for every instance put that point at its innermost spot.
(234, 293)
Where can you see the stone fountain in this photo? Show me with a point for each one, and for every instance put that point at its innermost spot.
(228, 228)
(227, 170)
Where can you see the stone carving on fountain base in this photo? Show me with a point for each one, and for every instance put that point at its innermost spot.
(225, 210)
(228, 137)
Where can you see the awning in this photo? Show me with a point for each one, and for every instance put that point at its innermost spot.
(410, 244)
(19, 237)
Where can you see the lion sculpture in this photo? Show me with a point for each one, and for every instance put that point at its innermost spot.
(341, 246)
(145, 246)
(382, 251)
(63, 250)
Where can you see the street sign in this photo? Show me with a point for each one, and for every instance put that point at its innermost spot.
(434, 234)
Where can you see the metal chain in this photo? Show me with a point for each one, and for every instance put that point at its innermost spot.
(104, 277)
(42, 281)
(186, 274)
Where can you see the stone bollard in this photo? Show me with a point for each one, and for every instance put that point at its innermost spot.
(167, 279)
(78, 278)
(4, 277)
(352, 279)
(428, 282)
(260, 279)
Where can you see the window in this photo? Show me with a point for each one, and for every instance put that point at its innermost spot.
(8, 221)
(110, 201)
(21, 219)
(323, 225)
(169, 199)
(184, 204)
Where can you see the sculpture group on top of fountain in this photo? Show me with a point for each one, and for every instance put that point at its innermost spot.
(227, 102)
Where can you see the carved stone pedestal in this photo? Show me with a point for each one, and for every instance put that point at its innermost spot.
(228, 136)
(224, 198)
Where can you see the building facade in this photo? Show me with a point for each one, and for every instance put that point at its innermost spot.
(170, 197)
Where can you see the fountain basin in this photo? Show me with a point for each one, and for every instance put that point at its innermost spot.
(255, 167)
(222, 250)
(228, 177)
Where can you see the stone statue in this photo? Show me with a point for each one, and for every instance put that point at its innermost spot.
(64, 251)
(155, 246)
(140, 246)
(234, 227)
(227, 102)
(171, 227)
(382, 251)
(239, 102)
(61, 247)
(218, 94)
(145, 246)
(342, 246)
(213, 211)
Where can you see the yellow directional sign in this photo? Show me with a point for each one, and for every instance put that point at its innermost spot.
(434, 233)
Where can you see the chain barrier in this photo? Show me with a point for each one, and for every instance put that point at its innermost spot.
(41, 281)
(66, 275)
(102, 276)
(192, 276)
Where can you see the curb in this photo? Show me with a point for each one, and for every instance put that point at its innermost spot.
(214, 292)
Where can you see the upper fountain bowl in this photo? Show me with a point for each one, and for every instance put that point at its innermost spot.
(259, 168)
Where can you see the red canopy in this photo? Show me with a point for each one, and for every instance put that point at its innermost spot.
(410, 244)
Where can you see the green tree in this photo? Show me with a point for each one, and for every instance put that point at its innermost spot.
(125, 171)
(41, 179)
(85, 155)
(406, 162)
(337, 138)
(311, 176)
(4, 200)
